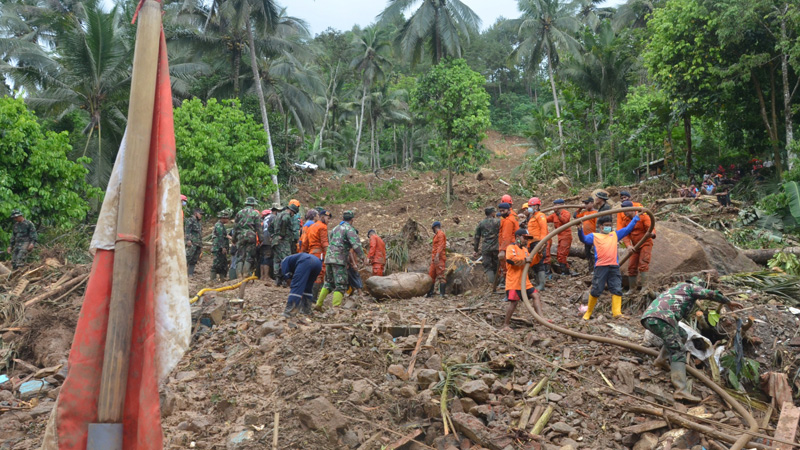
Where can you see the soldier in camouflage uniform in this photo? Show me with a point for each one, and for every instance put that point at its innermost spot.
(282, 234)
(220, 246)
(23, 238)
(662, 317)
(246, 235)
(297, 221)
(193, 232)
(342, 239)
(489, 230)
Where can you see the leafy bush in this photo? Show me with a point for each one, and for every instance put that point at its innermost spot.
(508, 113)
(787, 262)
(35, 174)
(221, 154)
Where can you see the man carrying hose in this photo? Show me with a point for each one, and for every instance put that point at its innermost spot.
(661, 318)
(606, 264)
(589, 226)
(560, 217)
(537, 228)
(516, 257)
(639, 262)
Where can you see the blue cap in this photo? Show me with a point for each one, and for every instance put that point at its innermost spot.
(627, 204)
(436, 224)
(625, 194)
(504, 206)
(558, 201)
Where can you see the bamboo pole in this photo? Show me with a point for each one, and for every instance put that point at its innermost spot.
(127, 250)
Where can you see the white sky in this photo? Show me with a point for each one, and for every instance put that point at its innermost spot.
(343, 14)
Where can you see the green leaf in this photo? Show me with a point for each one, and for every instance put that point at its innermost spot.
(713, 317)
(793, 192)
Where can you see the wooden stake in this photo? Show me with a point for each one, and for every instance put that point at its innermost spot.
(111, 401)
(536, 389)
(524, 417)
(786, 430)
(275, 431)
(404, 440)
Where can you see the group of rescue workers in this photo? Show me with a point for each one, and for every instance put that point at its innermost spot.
(314, 261)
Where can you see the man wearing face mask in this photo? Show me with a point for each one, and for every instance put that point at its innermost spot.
(639, 263)
(606, 265)
(516, 257)
(537, 228)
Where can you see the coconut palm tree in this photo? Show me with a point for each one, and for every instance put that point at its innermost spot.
(88, 72)
(442, 25)
(370, 47)
(385, 107)
(547, 28)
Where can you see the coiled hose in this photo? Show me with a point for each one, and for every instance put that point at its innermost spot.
(751, 422)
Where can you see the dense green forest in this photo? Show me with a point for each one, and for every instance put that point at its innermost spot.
(597, 92)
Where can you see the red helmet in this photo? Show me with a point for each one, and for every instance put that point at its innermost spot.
(506, 199)
(535, 201)
(265, 212)
(183, 198)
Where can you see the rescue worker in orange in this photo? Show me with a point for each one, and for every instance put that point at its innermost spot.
(624, 196)
(560, 217)
(508, 226)
(639, 262)
(606, 273)
(438, 259)
(516, 257)
(311, 219)
(318, 245)
(507, 199)
(589, 226)
(537, 229)
(377, 253)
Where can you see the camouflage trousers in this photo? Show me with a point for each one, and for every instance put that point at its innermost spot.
(220, 265)
(336, 278)
(674, 338)
(245, 260)
(490, 261)
(193, 254)
(280, 250)
(18, 254)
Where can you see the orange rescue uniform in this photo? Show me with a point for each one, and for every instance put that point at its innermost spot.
(640, 259)
(537, 228)
(515, 263)
(377, 254)
(318, 244)
(438, 257)
(508, 226)
(589, 226)
(564, 237)
(622, 218)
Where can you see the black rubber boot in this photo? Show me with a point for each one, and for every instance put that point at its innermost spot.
(443, 289)
(191, 269)
(430, 293)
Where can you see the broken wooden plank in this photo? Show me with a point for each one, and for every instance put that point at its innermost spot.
(655, 392)
(416, 348)
(787, 425)
(643, 427)
(524, 417)
(404, 440)
(542, 422)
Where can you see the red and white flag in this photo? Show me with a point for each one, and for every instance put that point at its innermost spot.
(162, 319)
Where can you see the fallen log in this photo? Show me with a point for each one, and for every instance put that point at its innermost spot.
(59, 290)
(763, 255)
(399, 285)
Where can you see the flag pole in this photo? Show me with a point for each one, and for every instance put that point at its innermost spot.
(107, 433)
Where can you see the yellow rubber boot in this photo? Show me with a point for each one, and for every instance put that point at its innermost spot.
(592, 304)
(616, 305)
(337, 298)
(322, 294)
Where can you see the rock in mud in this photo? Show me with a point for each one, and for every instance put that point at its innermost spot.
(476, 390)
(320, 415)
(427, 376)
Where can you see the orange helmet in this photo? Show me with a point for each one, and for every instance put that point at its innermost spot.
(535, 201)
(294, 202)
(506, 199)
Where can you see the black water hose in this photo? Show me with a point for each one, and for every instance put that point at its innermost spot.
(753, 425)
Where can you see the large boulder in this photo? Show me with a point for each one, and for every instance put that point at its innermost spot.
(681, 248)
(399, 285)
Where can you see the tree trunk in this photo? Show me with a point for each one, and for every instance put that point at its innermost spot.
(263, 106)
(598, 161)
(787, 97)
(410, 149)
(237, 67)
(437, 39)
(776, 151)
(210, 13)
(328, 103)
(378, 147)
(558, 110)
(360, 126)
(771, 131)
(371, 143)
(762, 256)
(449, 174)
(611, 107)
(687, 129)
